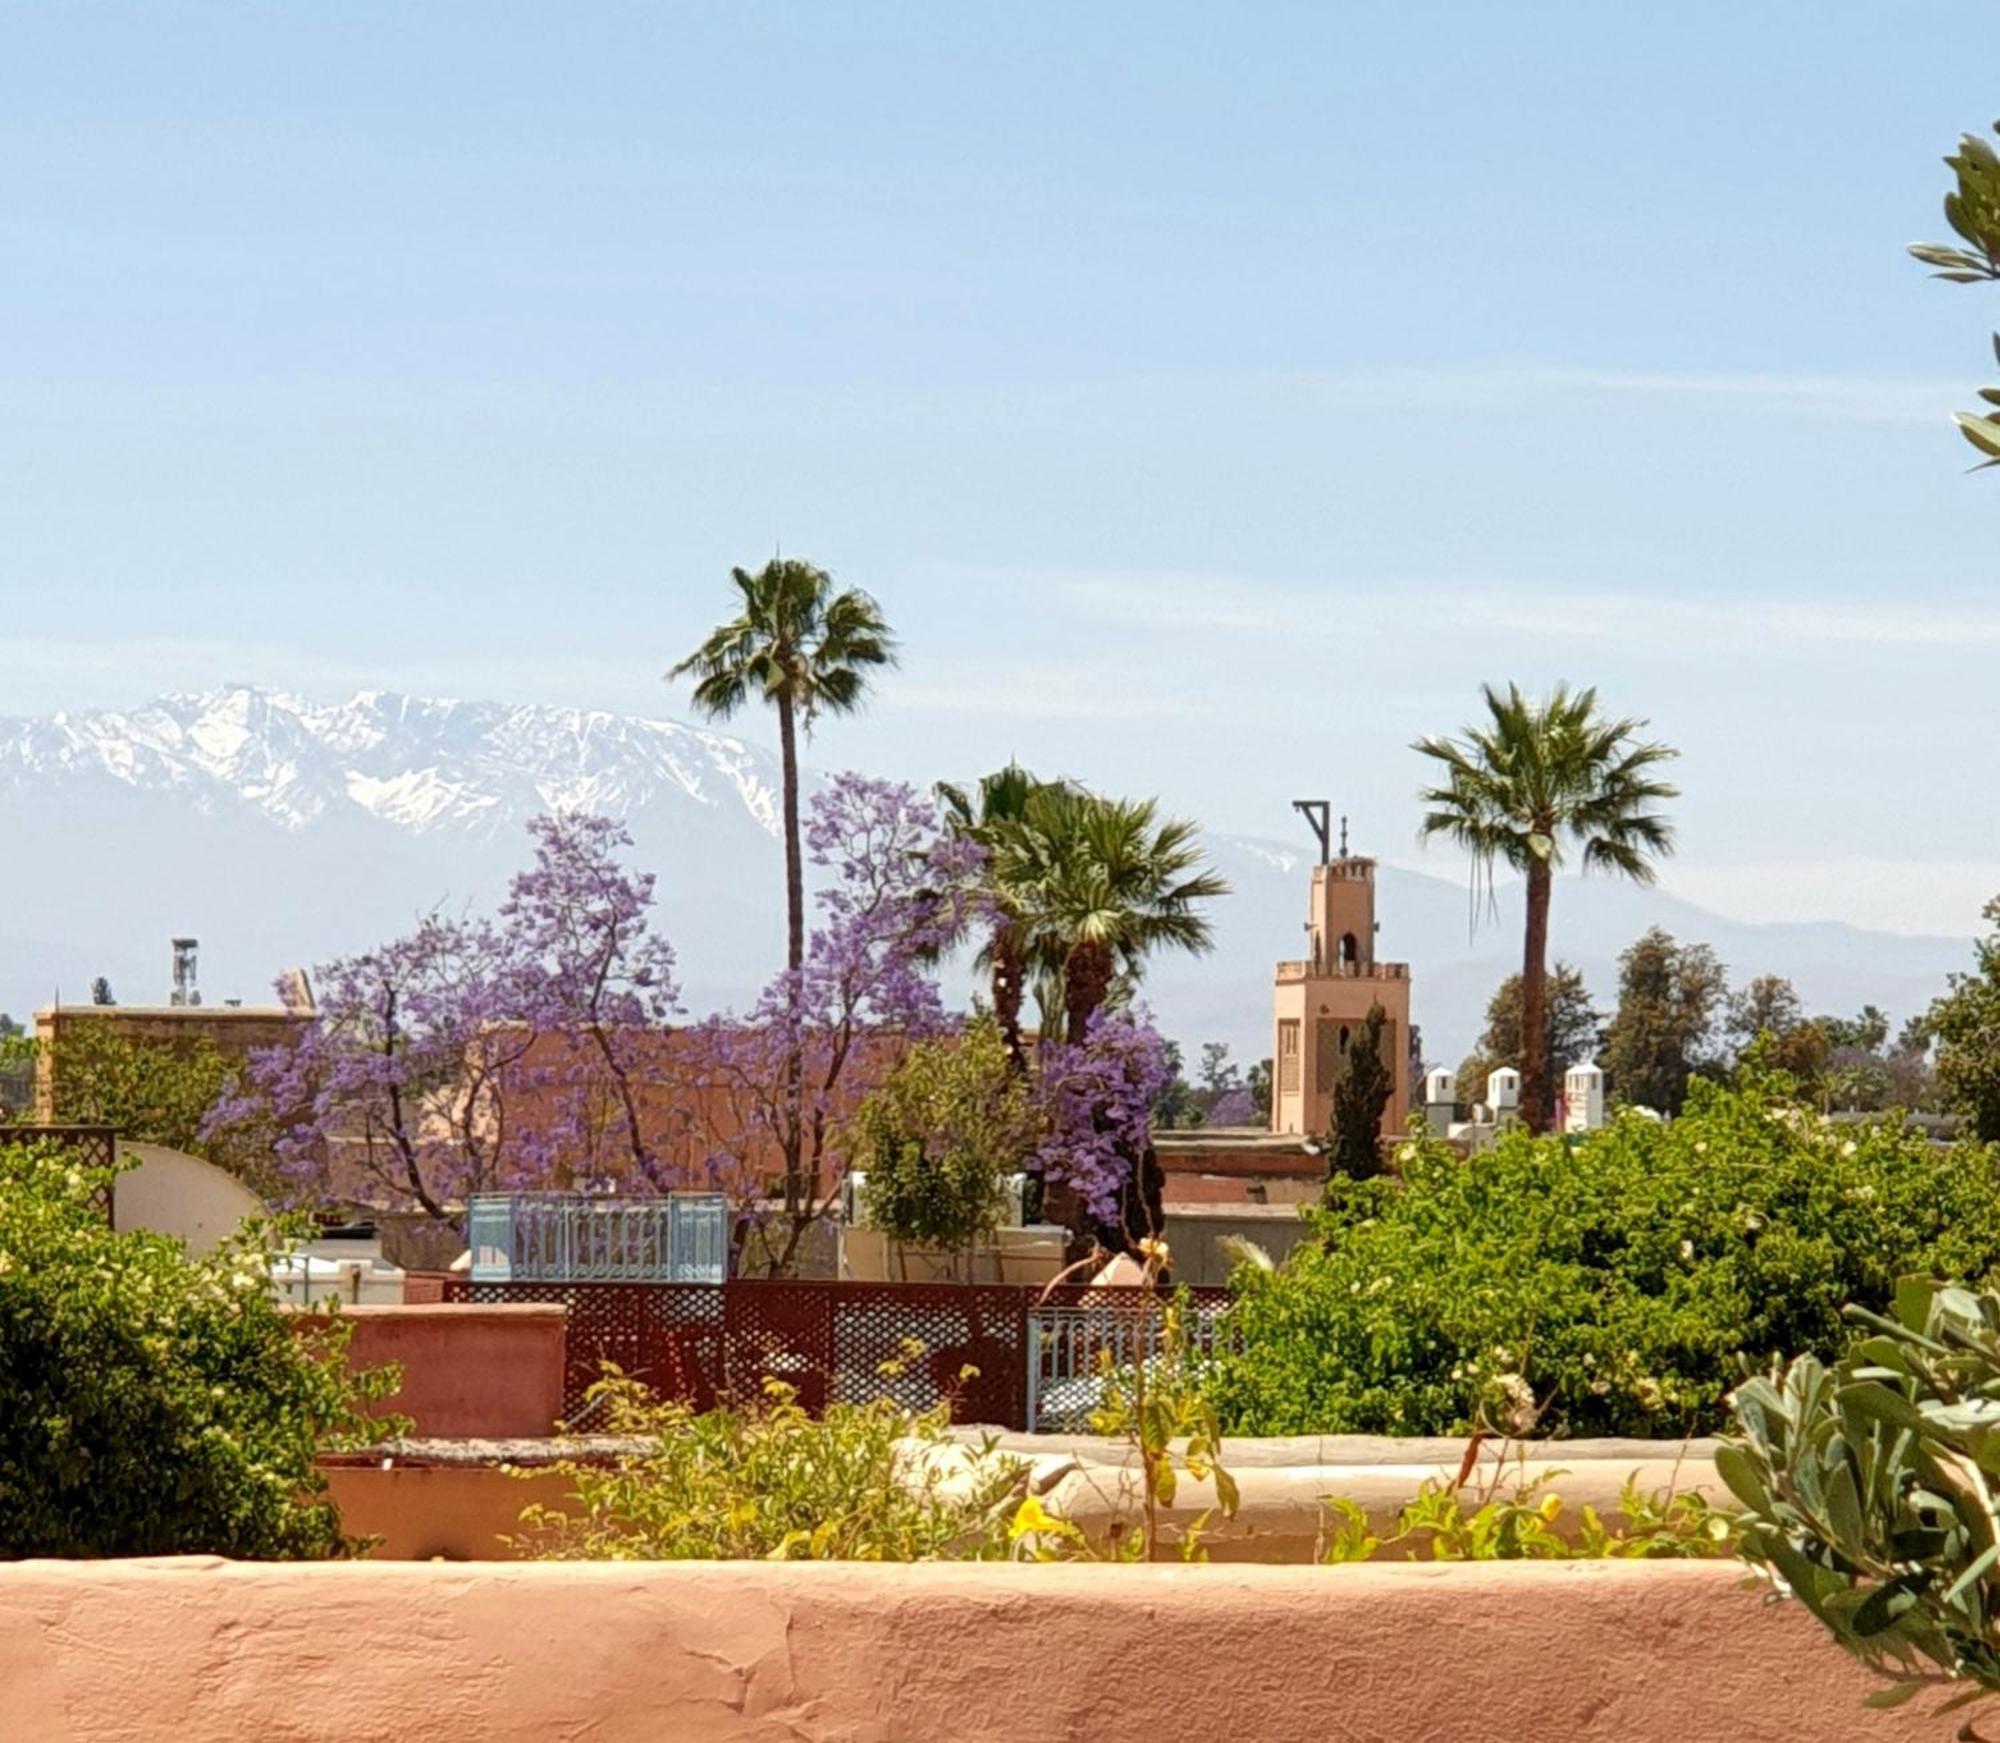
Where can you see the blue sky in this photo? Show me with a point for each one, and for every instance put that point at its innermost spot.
(1213, 396)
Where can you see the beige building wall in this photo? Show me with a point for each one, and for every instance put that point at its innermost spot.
(1321, 1000)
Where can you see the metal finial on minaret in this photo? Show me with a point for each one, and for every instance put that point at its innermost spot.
(1317, 813)
(1343, 838)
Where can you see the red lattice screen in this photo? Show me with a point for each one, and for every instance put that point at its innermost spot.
(832, 1342)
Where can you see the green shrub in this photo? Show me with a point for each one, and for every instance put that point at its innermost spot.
(1613, 1284)
(766, 1481)
(937, 1137)
(150, 1403)
(1445, 1523)
(1869, 1487)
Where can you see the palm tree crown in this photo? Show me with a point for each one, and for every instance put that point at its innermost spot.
(1540, 775)
(1101, 885)
(1533, 781)
(803, 648)
(795, 640)
(992, 816)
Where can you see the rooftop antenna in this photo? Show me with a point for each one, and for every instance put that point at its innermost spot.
(1319, 813)
(184, 992)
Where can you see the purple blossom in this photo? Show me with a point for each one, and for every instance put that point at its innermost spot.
(533, 1049)
(474, 1055)
(903, 891)
(1096, 1099)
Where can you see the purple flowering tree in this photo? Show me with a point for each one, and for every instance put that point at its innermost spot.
(902, 889)
(393, 1082)
(477, 1055)
(592, 982)
(1096, 1097)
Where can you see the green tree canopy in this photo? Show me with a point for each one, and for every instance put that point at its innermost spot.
(1663, 1033)
(1966, 1024)
(993, 814)
(805, 649)
(1574, 1031)
(1102, 885)
(939, 1135)
(1617, 1283)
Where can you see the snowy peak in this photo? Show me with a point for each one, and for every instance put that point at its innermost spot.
(417, 764)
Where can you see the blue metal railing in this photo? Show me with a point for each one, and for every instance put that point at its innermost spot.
(570, 1237)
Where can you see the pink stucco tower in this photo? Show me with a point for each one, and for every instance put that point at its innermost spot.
(1319, 1003)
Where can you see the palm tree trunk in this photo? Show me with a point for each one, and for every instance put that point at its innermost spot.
(1009, 971)
(1536, 1101)
(792, 1138)
(795, 877)
(1086, 979)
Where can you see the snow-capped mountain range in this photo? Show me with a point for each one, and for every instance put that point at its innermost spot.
(281, 831)
(419, 765)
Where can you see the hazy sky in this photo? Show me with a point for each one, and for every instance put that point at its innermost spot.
(1212, 395)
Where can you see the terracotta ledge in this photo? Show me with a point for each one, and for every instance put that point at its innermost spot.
(627, 1652)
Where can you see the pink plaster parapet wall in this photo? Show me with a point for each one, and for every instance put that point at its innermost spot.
(469, 1372)
(199, 1650)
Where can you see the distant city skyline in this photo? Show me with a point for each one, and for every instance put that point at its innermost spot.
(1212, 408)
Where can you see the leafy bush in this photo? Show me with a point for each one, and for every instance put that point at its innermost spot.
(1613, 1284)
(154, 1092)
(1869, 1490)
(1441, 1524)
(864, 1482)
(937, 1137)
(150, 1403)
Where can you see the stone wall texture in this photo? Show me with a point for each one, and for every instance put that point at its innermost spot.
(193, 1650)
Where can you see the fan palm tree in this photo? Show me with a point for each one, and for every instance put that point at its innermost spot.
(1522, 788)
(993, 816)
(804, 649)
(1102, 885)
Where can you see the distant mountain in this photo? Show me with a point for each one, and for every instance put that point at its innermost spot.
(283, 831)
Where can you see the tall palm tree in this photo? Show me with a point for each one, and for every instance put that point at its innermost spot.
(806, 650)
(1104, 883)
(993, 816)
(1532, 781)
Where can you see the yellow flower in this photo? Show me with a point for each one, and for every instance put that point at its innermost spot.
(1031, 1516)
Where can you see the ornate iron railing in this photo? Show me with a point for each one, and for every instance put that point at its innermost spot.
(567, 1237)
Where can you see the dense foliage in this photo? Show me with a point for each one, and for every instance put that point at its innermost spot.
(1966, 1025)
(1573, 1031)
(150, 1403)
(937, 1138)
(152, 1093)
(1663, 1034)
(767, 1482)
(1612, 1284)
